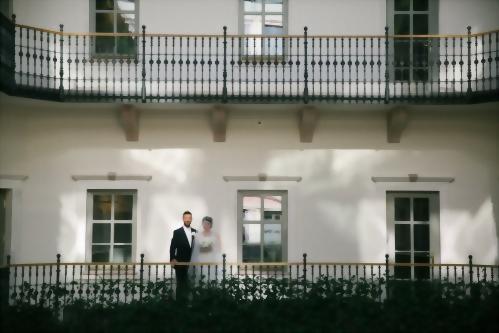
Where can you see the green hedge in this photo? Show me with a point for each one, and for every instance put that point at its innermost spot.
(327, 306)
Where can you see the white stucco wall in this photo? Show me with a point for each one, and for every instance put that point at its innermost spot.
(336, 213)
(202, 16)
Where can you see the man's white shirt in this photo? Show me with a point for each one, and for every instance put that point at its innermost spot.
(188, 233)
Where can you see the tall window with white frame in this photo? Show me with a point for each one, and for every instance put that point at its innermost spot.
(412, 55)
(111, 224)
(265, 18)
(413, 229)
(115, 16)
(262, 226)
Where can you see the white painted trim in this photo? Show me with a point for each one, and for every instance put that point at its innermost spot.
(412, 179)
(14, 177)
(111, 177)
(262, 178)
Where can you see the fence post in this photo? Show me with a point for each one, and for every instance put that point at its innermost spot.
(4, 286)
(387, 68)
(224, 263)
(224, 89)
(470, 265)
(305, 63)
(387, 275)
(469, 91)
(304, 273)
(57, 282)
(141, 279)
(143, 91)
(61, 61)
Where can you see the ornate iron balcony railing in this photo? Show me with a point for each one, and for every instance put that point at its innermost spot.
(60, 283)
(145, 67)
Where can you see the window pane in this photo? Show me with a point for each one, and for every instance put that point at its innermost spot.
(402, 237)
(402, 272)
(420, 53)
(126, 5)
(273, 25)
(272, 244)
(421, 237)
(402, 24)
(253, 5)
(126, 45)
(251, 234)
(272, 207)
(123, 233)
(253, 24)
(402, 74)
(420, 75)
(252, 208)
(422, 272)
(125, 23)
(402, 51)
(102, 207)
(402, 209)
(421, 209)
(104, 4)
(100, 253)
(122, 253)
(104, 22)
(251, 242)
(402, 4)
(123, 207)
(273, 6)
(420, 24)
(104, 45)
(420, 5)
(101, 233)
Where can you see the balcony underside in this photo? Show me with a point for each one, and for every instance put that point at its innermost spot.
(101, 96)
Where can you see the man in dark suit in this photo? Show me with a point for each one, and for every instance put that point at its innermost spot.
(181, 251)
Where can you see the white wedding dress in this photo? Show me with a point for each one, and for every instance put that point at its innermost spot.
(206, 257)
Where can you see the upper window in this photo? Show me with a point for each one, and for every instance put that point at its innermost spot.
(262, 226)
(115, 16)
(412, 56)
(266, 18)
(111, 223)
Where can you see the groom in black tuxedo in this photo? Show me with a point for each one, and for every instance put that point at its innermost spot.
(181, 251)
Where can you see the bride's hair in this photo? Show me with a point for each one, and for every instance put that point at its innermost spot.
(208, 219)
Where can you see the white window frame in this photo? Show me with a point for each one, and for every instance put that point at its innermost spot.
(91, 222)
(115, 11)
(284, 13)
(433, 54)
(434, 223)
(283, 221)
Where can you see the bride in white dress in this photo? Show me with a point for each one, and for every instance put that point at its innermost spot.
(207, 249)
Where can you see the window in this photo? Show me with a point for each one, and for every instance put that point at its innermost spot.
(413, 231)
(266, 18)
(262, 226)
(111, 217)
(115, 16)
(412, 56)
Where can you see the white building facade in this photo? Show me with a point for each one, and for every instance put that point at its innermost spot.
(350, 180)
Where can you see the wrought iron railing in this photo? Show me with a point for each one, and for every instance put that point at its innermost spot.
(227, 68)
(58, 284)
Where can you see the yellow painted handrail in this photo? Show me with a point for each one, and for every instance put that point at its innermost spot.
(270, 264)
(138, 34)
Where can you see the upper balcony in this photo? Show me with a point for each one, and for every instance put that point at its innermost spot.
(225, 68)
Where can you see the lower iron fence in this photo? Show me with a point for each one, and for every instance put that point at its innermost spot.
(59, 284)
